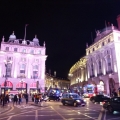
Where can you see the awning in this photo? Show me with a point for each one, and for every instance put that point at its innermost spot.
(21, 85)
(33, 85)
(8, 84)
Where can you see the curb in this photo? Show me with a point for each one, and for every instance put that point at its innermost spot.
(6, 110)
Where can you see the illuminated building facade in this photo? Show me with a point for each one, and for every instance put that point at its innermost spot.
(54, 82)
(103, 60)
(25, 70)
(77, 75)
(101, 63)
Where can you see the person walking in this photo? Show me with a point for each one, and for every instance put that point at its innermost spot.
(15, 100)
(19, 96)
(26, 97)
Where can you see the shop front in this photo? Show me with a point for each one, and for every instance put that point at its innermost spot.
(34, 88)
(21, 87)
(100, 88)
(7, 86)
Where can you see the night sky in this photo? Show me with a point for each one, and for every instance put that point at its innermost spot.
(64, 26)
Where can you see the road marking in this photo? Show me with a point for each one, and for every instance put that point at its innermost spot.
(36, 115)
(19, 114)
(9, 118)
(8, 111)
(100, 115)
(105, 115)
(58, 113)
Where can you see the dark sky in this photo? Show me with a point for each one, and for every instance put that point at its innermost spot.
(64, 26)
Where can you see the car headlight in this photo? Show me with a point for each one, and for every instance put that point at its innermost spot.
(78, 100)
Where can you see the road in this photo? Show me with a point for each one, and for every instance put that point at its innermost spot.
(56, 111)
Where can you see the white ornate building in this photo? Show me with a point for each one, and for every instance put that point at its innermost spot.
(25, 70)
(103, 59)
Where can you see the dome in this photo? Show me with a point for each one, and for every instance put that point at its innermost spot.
(12, 36)
(35, 39)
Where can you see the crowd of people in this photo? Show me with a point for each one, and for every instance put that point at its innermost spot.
(17, 98)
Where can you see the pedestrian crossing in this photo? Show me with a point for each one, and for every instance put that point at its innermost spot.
(24, 106)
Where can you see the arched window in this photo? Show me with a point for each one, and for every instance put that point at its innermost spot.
(35, 71)
(100, 68)
(109, 63)
(22, 70)
(92, 68)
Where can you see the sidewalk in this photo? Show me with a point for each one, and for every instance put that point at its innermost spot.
(5, 108)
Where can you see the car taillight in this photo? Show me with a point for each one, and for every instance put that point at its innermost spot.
(103, 102)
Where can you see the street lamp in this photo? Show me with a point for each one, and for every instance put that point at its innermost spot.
(21, 84)
(6, 75)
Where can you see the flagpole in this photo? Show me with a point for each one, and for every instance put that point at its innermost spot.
(105, 26)
(25, 32)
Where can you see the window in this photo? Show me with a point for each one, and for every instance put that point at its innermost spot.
(22, 69)
(32, 52)
(8, 69)
(15, 49)
(108, 40)
(35, 67)
(24, 50)
(100, 69)
(7, 49)
(109, 63)
(39, 52)
(35, 71)
(102, 43)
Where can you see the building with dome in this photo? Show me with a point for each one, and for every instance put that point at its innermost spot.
(22, 65)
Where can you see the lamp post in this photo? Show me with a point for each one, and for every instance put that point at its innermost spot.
(6, 75)
(21, 84)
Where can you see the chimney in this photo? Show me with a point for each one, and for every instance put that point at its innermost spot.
(118, 21)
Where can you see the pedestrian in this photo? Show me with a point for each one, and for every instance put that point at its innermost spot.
(19, 96)
(15, 100)
(40, 98)
(26, 97)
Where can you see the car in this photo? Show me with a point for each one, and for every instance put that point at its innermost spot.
(112, 105)
(72, 99)
(99, 98)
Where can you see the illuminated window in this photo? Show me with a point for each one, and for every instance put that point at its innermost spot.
(39, 52)
(7, 48)
(35, 71)
(15, 49)
(9, 69)
(22, 69)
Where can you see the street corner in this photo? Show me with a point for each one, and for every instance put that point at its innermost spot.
(5, 109)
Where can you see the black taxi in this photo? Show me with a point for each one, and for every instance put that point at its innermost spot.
(72, 99)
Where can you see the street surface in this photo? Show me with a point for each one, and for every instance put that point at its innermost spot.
(54, 110)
